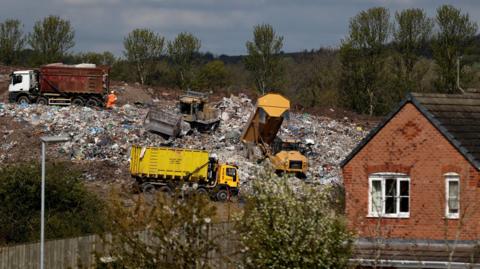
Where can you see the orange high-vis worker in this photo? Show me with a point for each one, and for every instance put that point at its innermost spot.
(111, 99)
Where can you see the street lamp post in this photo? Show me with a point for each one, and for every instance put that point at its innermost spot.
(45, 140)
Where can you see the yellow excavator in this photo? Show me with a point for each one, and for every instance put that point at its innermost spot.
(262, 128)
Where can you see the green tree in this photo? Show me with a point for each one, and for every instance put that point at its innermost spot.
(412, 31)
(263, 60)
(286, 228)
(212, 75)
(70, 209)
(104, 58)
(143, 47)
(51, 38)
(182, 51)
(178, 232)
(12, 41)
(313, 79)
(455, 34)
(362, 55)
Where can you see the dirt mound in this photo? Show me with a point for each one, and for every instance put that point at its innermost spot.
(21, 141)
(130, 94)
(3, 90)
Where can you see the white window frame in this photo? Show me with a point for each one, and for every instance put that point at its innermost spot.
(382, 177)
(451, 177)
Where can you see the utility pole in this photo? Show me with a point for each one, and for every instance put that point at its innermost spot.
(458, 74)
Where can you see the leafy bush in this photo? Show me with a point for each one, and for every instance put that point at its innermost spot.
(70, 210)
(178, 232)
(286, 228)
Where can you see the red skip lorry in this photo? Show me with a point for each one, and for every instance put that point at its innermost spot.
(60, 84)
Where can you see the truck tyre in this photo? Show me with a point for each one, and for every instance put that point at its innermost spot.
(93, 102)
(148, 188)
(202, 192)
(222, 195)
(165, 190)
(300, 175)
(23, 100)
(42, 101)
(78, 101)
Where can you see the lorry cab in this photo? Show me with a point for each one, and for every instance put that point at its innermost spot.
(21, 82)
(227, 175)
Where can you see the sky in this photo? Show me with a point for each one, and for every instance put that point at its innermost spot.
(223, 26)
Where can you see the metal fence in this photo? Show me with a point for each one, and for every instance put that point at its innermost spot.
(82, 252)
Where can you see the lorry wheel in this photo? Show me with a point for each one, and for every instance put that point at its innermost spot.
(301, 175)
(23, 100)
(222, 195)
(148, 188)
(93, 102)
(165, 190)
(42, 101)
(202, 192)
(78, 101)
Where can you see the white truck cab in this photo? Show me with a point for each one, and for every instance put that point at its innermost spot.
(21, 82)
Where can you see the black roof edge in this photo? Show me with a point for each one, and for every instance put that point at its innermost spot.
(375, 130)
(410, 98)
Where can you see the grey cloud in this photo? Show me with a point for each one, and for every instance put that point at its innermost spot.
(222, 25)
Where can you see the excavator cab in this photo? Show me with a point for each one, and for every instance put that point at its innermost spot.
(290, 162)
(287, 145)
(196, 110)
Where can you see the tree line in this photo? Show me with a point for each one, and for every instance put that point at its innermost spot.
(382, 57)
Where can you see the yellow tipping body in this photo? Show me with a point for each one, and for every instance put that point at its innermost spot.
(274, 104)
(156, 162)
(267, 118)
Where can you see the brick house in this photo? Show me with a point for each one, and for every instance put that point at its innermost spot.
(412, 185)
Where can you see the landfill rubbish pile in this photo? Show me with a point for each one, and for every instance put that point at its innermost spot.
(107, 135)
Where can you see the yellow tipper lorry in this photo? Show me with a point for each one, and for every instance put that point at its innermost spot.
(168, 168)
(262, 129)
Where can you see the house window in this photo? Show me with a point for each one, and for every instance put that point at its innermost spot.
(389, 195)
(452, 191)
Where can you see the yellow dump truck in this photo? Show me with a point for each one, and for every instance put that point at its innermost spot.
(262, 129)
(165, 169)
